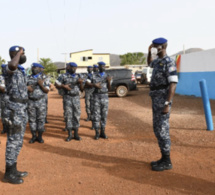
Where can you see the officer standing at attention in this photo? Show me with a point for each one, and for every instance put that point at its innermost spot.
(61, 91)
(72, 84)
(162, 89)
(102, 83)
(95, 70)
(89, 93)
(37, 102)
(16, 88)
(3, 97)
(47, 80)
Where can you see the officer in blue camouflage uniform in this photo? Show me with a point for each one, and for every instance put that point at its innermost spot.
(16, 109)
(61, 91)
(3, 97)
(37, 102)
(47, 81)
(72, 83)
(162, 88)
(101, 82)
(89, 93)
(95, 70)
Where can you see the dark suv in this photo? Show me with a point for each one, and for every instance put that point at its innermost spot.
(123, 81)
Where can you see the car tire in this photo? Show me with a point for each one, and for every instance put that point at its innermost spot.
(82, 94)
(121, 91)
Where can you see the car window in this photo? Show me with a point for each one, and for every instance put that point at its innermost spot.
(145, 70)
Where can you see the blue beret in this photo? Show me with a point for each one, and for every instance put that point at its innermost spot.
(3, 65)
(89, 66)
(101, 63)
(73, 64)
(37, 65)
(159, 41)
(15, 48)
(95, 66)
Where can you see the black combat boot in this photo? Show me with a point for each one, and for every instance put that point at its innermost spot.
(40, 138)
(10, 175)
(69, 135)
(19, 173)
(154, 163)
(76, 136)
(164, 164)
(34, 137)
(97, 134)
(102, 133)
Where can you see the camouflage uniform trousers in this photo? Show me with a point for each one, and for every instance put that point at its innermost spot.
(72, 111)
(37, 114)
(161, 121)
(64, 108)
(4, 99)
(16, 116)
(46, 98)
(100, 110)
(88, 101)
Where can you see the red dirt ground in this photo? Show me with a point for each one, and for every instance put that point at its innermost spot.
(119, 165)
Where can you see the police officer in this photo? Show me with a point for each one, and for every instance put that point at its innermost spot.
(61, 91)
(3, 97)
(72, 84)
(89, 93)
(162, 89)
(37, 102)
(47, 80)
(15, 81)
(102, 83)
(95, 70)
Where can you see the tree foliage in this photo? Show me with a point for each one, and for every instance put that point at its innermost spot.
(50, 67)
(2, 61)
(133, 58)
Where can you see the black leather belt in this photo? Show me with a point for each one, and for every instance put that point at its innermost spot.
(159, 87)
(35, 98)
(22, 101)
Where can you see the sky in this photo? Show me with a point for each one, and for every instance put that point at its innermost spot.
(106, 26)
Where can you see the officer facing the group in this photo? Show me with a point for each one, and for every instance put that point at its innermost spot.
(162, 89)
(89, 93)
(72, 84)
(38, 88)
(102, 83)
(16, 88)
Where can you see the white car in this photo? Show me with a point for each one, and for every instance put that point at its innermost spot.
(146, 75)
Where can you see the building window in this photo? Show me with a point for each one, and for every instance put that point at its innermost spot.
(90, 58)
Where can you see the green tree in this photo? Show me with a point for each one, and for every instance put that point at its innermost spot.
(50, 67)
(133, 58)
(2, 61)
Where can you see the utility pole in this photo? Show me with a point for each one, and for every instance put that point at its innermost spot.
(184, 49)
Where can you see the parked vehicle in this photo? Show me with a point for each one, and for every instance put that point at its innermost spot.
(138, 75)
(146, 75)
(123, 81)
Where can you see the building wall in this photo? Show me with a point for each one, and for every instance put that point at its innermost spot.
(193, 68)
(78, 58)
